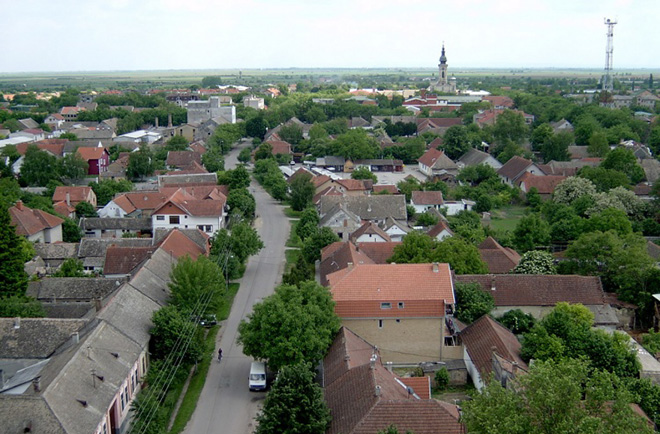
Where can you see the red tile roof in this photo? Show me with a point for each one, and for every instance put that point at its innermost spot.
(427, 197)
(544, 184)
(95, 153)
(358, 291)
(337, 256)
(54, 146)
(63, 209)
(148, 200)
(178, 245)
(430, 157)
(438, 228)
(192, 206)
(378, 252)
(421, 385)
(481, 336)
(183, 159)
(539, 290)
(514, 167)
(388, 188)
(124, 260)
(499, 101)
(76, 194)
(352, 184)
(280, 146)
(500, 260)
(30, 221)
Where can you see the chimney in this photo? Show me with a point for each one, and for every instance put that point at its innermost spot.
(169, 120)
(492, 283)
(372, 361)
(389, 366)
(349, 266)
(68, 198)
(156, 122)
(76, 337)
(514, 368)
(17, 323)
(19, 205)
(435, 267)
(377, 392)
(36, 384)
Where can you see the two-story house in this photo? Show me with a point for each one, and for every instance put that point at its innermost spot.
(182, 210)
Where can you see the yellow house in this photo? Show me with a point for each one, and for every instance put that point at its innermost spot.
(400, 308)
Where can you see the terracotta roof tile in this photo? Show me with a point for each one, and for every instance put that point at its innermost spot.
(30, 221)
(280, 146)
(481, 336)
(352, 184)
(178, 245)
(514, 167)
(337, 256)
(91, 153)
(183, 159)
(544, 184)
(391, 189)
(421, 385)
(500, 260)
(378, 252)
(438, 228)
(76, 194)
(538, 290)
(360, 290)
(427, 197)
(125, 260)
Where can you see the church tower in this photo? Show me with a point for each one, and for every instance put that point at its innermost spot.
(444, 84)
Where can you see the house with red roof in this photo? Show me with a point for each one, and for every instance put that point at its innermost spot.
(422, 201)
(499, 101)
(436, 165)
(280, 147)
(490, 348)
(498, 259)
(545, 185)
(36, 225)
(516, 168)
(97, 158)
(440, 231)
(538, 294)
(185, 211)
(364, 397)
(72, 196)
(401, 308)
(70, 113)
(133, 204)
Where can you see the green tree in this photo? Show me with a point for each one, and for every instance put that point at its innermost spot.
(364, 173)
(264, 151)
(195, 283)
(604, 179)
(308, 223)
(427, 219)
(536, 262)
(472, 302)
(301, 192)
(20, 306)
(295, 404)
(416, 248)
(441, 378)
(455, 141)
(541, 134)
(598, 145)
(553, 398)
(510, 126)
(237, 178)
(245, 241)
(245, 155)
(573, 188)
(298, 323)
(39, 167)
(213, 160)
(408, 185)
(517, 321)
(170, 326)
(85, 209)
(73, 167)
(71, 232)
(291, 133)
(177, 143)
(241, 202)
(140, 164)
(71, 268)
(556, 148)
(313, 244)
(530, 232)
(354, 145)
(299, 273)
(69, 136)
(106, 189)
(460, 254)
(624, 160)
(256, 127)
(13, 279)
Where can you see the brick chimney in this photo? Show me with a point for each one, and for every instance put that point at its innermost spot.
(68, 199)
(19, 205)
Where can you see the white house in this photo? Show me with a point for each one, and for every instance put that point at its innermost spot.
(422, 201)
(36, 225)
(183, 211)
(454, 207)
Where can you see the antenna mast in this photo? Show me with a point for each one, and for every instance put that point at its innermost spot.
(608, 85)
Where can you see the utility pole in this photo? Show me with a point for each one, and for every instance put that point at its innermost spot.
(607, 83)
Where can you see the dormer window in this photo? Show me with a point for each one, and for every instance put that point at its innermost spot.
(400, 305)
(386, 305)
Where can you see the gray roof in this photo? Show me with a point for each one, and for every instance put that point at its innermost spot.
(96, 247)
(18, 412)
(21, 377)
(152, 279)
(474, 157)
(35, 338)
(56, 250)
(193, 178)
(332, 212)
(69, 310)
(651, 169)
(330, 160)
(116, 223)
(72, 288)
(378, 207)
(93, 134)
(74, 381)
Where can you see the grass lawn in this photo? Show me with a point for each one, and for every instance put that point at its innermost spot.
(199, 377)
(294, 240)
(289, 212)
(453, 392)
(506, 219)
(292, 256)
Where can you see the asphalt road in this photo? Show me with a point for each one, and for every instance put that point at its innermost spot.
(226, 405)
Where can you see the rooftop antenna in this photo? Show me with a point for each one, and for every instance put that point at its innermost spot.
(608, 86)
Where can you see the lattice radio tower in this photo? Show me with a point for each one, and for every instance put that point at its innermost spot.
(608, 85)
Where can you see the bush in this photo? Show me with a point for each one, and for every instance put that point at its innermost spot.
(441, 379)
(417, 372)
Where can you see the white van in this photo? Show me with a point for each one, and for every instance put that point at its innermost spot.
(257, 380)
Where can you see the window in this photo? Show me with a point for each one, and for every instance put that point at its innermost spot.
(400, 305)
(380, 325)
(398, 320)
(386, 305)
(123, 404)
(174, 219)
(160, 217)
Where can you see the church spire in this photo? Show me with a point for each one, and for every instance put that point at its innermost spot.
(443, 58)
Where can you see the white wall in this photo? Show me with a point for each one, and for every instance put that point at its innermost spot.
(187, 222)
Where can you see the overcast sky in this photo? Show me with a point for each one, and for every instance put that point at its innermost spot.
(95, 35)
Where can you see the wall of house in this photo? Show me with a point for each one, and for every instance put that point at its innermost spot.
(53, 235)
(111, 209)
(370, 238)
(410, 340)
(37, 238)
(454, 208)
(442, 235)
(211, 224)
(472, 370)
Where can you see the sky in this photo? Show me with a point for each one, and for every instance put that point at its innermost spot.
(111, 35)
